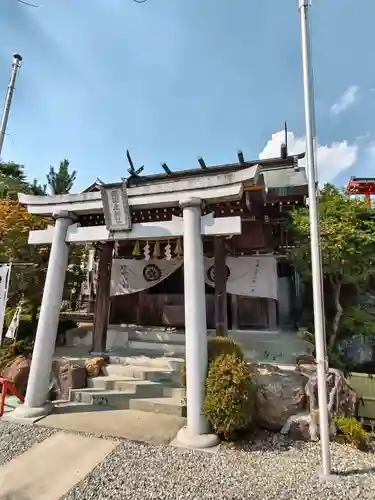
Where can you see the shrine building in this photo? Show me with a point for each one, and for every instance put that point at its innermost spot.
(197, 250)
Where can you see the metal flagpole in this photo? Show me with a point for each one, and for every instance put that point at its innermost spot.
(8, 100)
(316, 258)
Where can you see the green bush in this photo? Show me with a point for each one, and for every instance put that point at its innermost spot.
(230, 396)
(352, 432)
(216, 346)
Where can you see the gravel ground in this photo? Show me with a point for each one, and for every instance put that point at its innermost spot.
(272, 469)
(16, 439)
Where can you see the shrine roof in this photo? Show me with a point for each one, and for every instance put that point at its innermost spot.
(270, 163)
(274, 168)
(278, 176)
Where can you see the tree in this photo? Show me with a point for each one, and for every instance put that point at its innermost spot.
(348, 255)
(61, 182)
(12, 180)
(26, 280)
(13, 171)
(37, 189)
(31, 261)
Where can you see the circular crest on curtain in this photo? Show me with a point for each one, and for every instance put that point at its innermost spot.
(211, 273)
(151, 272)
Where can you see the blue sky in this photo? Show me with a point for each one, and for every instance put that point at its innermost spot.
(176, 79)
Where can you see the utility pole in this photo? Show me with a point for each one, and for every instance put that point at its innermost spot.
(316, 257)
(8, 100)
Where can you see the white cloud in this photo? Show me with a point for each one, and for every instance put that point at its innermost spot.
(331, 159)
(347, 99)
(371, 150)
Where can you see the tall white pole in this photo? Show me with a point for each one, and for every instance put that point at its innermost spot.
(316, 258)
(8, 100)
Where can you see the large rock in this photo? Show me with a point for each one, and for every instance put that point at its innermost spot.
(281, 394)
(66, 376)
(94, 366)
(342, 400)
(17, 372)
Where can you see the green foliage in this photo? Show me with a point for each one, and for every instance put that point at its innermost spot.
(216, 346)
(348, 257)
(335, 358)
(230, 393)
(358, 319)
(230, 396)
(27, 327)
(9, 351)
(27, 281)
(12, 180)
(347, 237)
(13, 170)
(352, 432)
(61, 181)
(37, 189)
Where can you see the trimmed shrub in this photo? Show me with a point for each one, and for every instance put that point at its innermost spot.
(230, 396)
(351, 432)
(216, 346)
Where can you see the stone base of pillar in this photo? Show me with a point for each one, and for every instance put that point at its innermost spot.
(30, 413)
(197, 441)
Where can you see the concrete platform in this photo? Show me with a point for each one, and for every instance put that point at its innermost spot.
(50, 469)
(11, 403)
(126, 424)
(265, 346)
(165, 405)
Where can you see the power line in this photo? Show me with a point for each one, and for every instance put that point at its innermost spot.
(28, 3)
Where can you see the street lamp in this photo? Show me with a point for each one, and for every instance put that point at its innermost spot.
(316, 257)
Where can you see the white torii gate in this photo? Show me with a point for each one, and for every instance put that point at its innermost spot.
(189, 195)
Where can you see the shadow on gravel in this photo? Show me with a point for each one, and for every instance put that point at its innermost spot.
(264, 441)
(356, 472)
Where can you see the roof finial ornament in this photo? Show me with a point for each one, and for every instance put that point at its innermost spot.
(132, 170)
(240, 157)
(202, 163)
(284, 145)
(166, 169)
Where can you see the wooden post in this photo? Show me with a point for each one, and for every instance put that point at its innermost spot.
(221, 304)
(234, 305)
(272, 314)
(101, 314)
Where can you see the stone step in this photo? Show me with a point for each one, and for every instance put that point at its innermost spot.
(173, 392)
(142, 372)
(159, 347)
(166, 362)
(170, 404)
(140, 387)
(167, 337)
(167, 406)
(113, 399)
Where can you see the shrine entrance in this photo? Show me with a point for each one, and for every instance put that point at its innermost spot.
(191, 221)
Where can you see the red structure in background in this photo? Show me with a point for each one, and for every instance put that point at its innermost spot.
(363, 186)
(7, 386)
